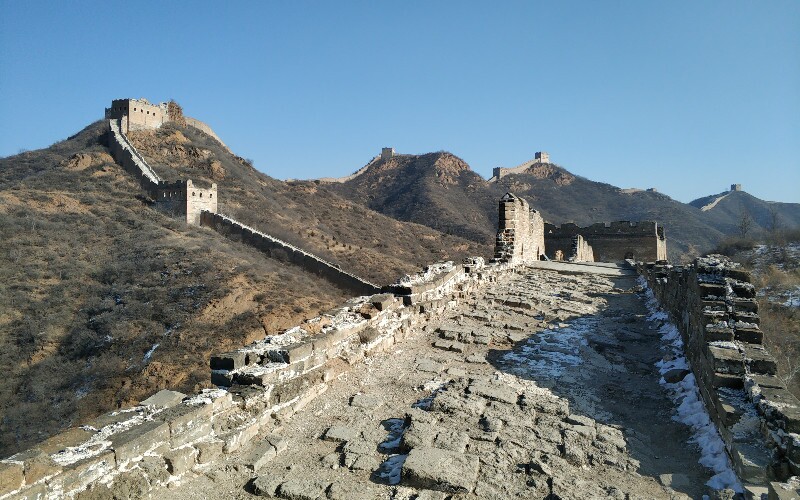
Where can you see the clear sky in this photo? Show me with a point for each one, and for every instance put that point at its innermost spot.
(684, 96)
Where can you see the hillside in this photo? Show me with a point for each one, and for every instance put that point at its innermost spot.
(105, 300)
(440, 190)
(343, 231)
(435, 189)
(727, 209)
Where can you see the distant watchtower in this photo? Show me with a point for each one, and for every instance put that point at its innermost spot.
(542, 156)
(736, 187)
(387, 153)
(137, 114)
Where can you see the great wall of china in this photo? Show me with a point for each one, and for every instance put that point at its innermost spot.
(450, 315)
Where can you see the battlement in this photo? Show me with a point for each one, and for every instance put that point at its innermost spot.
(539, 157)
(610, 242)
(138, 114)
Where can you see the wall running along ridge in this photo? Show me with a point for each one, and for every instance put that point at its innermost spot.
(713, 304)
(281, 250)
(520, 234)
(642, 241)
(170, 434)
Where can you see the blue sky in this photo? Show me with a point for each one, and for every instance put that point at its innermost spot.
(684, 96)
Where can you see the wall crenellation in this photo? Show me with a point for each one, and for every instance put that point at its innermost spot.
(621, 240)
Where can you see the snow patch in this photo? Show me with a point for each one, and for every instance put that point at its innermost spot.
(691, 410)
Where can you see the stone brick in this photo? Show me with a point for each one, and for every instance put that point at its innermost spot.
(726, 360)
(11, 477)
(382, 301)
(259, 455)
(136, 441)
(749, 334)
(164, 398)
(229, 360)
(760, 361)
(208, 451)
(303, 489)
(69, 438)
(83, 472)
(441, 470)
(181, 460)
(187, 423)
(339, 434)
(494, 392)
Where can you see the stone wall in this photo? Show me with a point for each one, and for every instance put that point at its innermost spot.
(643, 241)
(581, 250)
(126, 155)
(500, 172)
(281, 250)
(712, 303)
(169, 434)
(520, 234)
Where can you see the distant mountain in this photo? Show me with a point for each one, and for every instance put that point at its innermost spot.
(441, 191)
(726, 210)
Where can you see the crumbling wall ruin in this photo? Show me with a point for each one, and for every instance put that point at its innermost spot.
(581, 250)
(643, 241)
(520, 234)
(713, 304)
(171, 434)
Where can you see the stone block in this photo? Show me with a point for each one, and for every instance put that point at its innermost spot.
(340, 434)
(749, 334)
(38, 465)
(81, 473)
(365, 401)
(222, 378)
(67, 439)
(187, 423)
(718, 332)
(748, 305)
(784, 491)
(136, 441)
(164, 398)
(383, 301)
(229, 360)
(298, 352)
(266, 486)
(494, 392)
(350, 490)
(208, 451)
(770, 381)
(11, 477)
(181, 460)
(726, 360)
(259, 455)
(233, 440)
(760, 361)
(727, 380)
(303, 489)
(751, 461)
(440, 470)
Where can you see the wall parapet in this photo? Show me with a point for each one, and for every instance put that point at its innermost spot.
(520, 233)
(282, 250)
(611, 242)
(713, 304)
(171, 434)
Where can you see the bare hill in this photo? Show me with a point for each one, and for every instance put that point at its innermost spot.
(440, 190)
(727, 209)
(105, 300)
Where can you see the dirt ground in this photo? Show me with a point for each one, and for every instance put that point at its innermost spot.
(542, 385)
